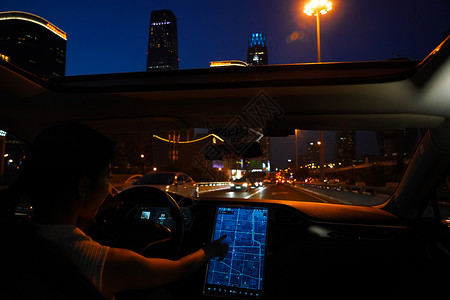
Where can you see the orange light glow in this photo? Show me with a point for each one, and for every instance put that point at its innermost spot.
(317, 7)
(57, 31)
(228, 63)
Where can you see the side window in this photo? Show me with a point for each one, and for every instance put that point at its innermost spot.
(443, 203)
(12, 155)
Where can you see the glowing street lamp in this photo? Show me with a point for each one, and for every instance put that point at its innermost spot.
(317, 8)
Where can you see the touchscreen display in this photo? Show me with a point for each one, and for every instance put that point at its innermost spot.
(240, 274)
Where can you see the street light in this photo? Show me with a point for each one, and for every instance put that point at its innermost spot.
(317, 8)
(296, 148)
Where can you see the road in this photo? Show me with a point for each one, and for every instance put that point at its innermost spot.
(275, 192)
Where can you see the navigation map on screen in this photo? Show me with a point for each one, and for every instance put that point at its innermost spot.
(240, 273)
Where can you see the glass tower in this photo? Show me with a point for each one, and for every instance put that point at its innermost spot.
(346, 147)
(32, 44)
(257, 50)
(162, 42)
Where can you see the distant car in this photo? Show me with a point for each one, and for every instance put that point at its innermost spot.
(175, 182)
(241, 184)
(333, 181)
(280, 181)
(255, 183)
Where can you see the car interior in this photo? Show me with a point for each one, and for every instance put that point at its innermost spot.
(305, 248)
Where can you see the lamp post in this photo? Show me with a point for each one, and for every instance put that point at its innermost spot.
(317, 8)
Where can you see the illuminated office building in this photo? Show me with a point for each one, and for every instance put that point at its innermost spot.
(313, 153)
(346, 147)
(32, 44)
(257, 50)
(162, 41)
(397, 144)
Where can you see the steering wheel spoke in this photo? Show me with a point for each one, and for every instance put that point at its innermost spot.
(123, 227)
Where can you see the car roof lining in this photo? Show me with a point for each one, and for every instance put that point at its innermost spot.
(355, 95)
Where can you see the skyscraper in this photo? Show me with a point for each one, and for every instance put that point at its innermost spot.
(162, 41)
(257, 50)
(395, 144)
(346, 147)
(313, 153)
(33, 44)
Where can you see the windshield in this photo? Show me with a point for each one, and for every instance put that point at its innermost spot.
(358, 167)
(240, 180)
(354, 166)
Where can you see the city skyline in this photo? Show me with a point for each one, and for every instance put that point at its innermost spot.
(112, 36)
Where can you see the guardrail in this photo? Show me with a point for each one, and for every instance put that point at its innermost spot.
(443, 195)
(361, 189)
(212, 186)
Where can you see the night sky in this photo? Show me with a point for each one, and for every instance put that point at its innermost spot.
(111, 36)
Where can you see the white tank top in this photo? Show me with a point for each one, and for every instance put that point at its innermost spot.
(89, 255)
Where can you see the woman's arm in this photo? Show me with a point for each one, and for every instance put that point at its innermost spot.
(127, 270)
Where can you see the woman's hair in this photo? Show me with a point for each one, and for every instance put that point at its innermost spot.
(59, 158)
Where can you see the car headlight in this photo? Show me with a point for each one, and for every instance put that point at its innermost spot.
(245, 184)
(231, 184)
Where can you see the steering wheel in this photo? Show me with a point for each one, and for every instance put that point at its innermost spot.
(122, 227)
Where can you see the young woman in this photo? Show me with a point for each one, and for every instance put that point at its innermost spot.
(66, 176)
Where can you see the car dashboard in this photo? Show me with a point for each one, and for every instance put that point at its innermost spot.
(312, 245)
